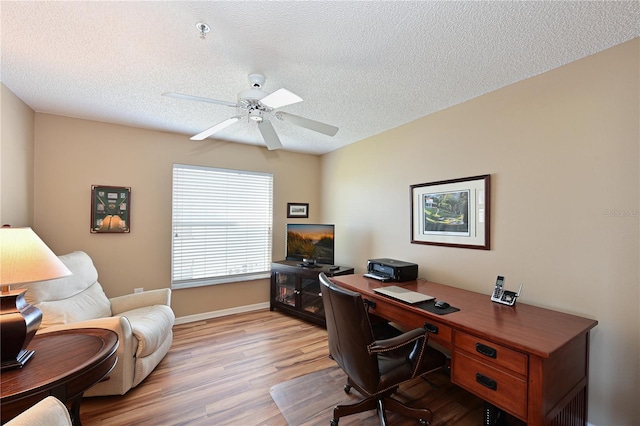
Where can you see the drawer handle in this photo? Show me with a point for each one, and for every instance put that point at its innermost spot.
(433, 329)
(486, 350)
(486, 381)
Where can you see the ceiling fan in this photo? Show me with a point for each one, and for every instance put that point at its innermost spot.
(258, 106)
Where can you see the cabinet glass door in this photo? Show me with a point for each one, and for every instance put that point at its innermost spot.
(311, 298)
(286, 288)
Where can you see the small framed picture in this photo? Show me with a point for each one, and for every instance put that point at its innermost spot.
(110, 209)
(299, 210)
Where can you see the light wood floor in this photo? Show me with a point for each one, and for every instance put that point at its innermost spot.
(219, 372)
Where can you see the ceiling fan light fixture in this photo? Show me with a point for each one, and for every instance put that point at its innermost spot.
(255, 115)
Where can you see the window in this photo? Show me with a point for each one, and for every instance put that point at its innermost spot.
(221, 226)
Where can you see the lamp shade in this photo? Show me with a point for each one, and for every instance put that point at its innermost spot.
(25, 258)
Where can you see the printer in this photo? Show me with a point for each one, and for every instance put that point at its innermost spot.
(391, 270)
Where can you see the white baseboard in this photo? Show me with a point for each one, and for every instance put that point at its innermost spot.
(221, 313)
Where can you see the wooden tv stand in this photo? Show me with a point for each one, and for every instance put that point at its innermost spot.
(296, 289)
(531, 362)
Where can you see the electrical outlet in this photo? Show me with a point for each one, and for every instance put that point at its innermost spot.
(138, 290)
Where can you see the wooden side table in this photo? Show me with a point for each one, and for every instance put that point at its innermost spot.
(66, 363)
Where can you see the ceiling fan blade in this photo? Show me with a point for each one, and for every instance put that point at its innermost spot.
(199, 99)
(211, 130)
(280, 98)
(270, 136)
(316, 126)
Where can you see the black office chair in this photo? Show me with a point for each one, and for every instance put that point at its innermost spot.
(374, 367)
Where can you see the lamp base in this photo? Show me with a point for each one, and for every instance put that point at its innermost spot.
(19, 322)
(19, 362)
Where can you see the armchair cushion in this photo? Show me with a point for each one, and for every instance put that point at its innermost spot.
(89, 304)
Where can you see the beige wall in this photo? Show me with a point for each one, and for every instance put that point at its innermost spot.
(16, 160)
(563, 152)
(72, 154)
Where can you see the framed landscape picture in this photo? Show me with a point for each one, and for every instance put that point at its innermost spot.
(110, 209)
(453, 213)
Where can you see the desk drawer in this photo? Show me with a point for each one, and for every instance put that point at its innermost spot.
(496, 386)
(491, 353)
(437, 331)
(410, 319)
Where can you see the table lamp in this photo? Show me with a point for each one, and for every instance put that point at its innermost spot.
(24, 258)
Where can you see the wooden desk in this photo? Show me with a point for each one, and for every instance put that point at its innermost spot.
(531, 362)
(66, 363)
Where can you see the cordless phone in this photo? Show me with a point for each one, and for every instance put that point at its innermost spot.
(500, 295)
(498, 289)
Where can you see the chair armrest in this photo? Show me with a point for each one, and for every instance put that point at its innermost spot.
(408, 338)
(129, 302)
(120, 325)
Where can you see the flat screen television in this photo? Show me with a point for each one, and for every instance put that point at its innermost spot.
(310, 243)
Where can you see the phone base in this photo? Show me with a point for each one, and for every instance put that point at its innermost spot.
(506, 298)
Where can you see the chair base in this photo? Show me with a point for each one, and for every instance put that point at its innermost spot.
(382, 403)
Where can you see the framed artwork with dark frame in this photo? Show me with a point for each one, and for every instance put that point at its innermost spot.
(298, 210)
(110, 209)
(452, 213)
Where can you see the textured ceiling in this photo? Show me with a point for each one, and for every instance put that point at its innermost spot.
(365, 67)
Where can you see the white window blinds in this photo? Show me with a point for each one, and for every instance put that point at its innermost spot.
(221, 225)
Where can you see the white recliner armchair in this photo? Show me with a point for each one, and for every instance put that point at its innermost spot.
(143, 321)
